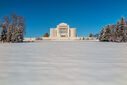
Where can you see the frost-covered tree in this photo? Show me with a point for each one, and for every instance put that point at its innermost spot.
(15, 28)
(102, 34)
(115, 33)
(108, 33)
(3, 36)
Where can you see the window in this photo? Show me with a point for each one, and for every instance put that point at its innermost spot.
(63, 36)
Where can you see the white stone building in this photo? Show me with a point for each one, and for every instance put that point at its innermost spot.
(63, 31)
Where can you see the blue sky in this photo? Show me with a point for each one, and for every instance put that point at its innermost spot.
(85, 15)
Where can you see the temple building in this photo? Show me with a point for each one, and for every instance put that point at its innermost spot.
(63, 31)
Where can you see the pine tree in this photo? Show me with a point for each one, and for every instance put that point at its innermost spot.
(115, 33)
(108, 33)
(102, 34)
(122, 21)
(90, 35)
(46, 35)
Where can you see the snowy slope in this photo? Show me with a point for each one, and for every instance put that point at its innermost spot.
(63, 63)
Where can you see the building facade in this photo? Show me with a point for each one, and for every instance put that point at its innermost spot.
(63, 31)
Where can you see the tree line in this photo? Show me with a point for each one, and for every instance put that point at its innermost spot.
(13, 28)
(115, 33)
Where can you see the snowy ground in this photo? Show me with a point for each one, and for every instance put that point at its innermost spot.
(63, 63)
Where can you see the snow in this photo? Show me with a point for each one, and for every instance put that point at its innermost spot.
(63, 63)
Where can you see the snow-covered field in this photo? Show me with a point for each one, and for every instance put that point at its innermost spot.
(63, 63)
